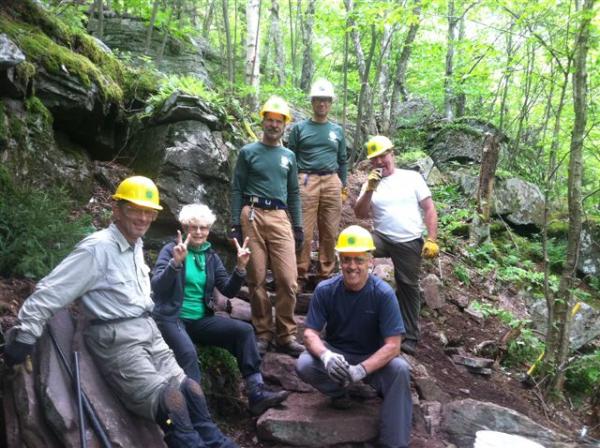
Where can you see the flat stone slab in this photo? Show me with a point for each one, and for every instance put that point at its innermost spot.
(307, 420)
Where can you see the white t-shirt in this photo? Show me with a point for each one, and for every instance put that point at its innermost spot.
(395, 205)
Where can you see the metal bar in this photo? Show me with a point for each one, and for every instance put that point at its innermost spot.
(78, 391)
(87, 406)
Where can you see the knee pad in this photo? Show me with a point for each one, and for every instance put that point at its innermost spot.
(172, 409)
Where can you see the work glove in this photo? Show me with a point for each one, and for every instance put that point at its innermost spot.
(356, 373)
(374, 178)
(235, 232)
(298, 237)
(16, 352)
(430, 249)
(344, 194)
(336, 366)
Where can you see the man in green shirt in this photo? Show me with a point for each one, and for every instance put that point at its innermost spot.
(265, 188)
(320, 148)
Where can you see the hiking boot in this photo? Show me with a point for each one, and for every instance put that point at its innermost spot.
(342, 402)
(263, 346)
(409, 346)
(292, 348)
(263, 399)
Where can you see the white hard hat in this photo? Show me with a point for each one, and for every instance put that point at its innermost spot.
(322, 88)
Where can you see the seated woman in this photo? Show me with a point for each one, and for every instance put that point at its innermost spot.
(184, 277)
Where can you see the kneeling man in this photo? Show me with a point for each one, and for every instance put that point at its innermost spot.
(364, 331)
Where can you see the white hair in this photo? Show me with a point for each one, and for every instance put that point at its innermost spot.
(198, 213)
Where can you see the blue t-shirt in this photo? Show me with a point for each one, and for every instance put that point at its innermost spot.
(356, 322)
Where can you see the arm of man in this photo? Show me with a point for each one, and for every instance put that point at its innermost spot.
(293, 191)
(362, 207)
(430, 217)
(343, 160)
(313, 342)
(240, 177)
(379, 359)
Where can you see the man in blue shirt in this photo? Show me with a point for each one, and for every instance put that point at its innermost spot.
(364, 331)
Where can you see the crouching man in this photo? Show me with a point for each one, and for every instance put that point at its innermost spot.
(107, 271)
(364, 330)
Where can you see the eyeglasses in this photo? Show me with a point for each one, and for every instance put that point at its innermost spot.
(197, 228)
(357, 260)
(134, 212)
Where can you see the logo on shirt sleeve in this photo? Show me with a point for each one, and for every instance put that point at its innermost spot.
(333, 136)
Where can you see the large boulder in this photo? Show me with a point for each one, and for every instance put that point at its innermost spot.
(11, 84)
(183, 146)
(308, 421)
(459, 141)
(520, 202)
(463, 418)
(585, 325)
(588, 262)
(128, 35)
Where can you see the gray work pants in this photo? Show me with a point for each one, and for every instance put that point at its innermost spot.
(392, 382)
(407, 266)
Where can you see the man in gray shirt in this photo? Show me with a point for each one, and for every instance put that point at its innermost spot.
(107, 271)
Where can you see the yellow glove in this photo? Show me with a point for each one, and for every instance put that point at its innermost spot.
(430, 249)
(374, 179)
(344, 194)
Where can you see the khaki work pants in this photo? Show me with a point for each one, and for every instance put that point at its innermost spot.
(271, 243)
(321, 206)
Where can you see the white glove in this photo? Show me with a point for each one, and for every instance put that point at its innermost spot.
(336, 366)
(357, 373)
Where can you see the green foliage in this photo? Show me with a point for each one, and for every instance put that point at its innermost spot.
(36, 229)
(189, 85)
(462, 274)
(220, 379)
(407, 157)
(523, 350)
(583, 374)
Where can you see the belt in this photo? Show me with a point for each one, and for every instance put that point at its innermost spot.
(264, 203)
(317, 172)
(119, 319)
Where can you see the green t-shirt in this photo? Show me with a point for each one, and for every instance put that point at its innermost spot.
(195, 282)
(268, 172)
(320, 147)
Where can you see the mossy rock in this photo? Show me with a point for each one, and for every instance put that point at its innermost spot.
(220, 380)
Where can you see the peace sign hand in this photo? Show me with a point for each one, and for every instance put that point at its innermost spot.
(181, 249)
(243, 253)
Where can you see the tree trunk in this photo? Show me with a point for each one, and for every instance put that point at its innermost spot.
(384, 74)
(293, 40)
(479, 231)
(399, 93)
(253, 50)
(208, 19)
(151, 26)
(161, 52)
(308, 66)
(557, 341)
(275, 34)
(228, 44)
(449, 72)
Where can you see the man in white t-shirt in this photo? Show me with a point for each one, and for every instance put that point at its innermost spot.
(400, 204)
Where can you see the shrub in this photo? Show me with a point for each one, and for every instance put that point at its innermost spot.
(220, 380)
(583, 374)
(36, 230)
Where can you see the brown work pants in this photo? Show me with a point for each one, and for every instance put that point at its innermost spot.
(321, 206)
(272, 244)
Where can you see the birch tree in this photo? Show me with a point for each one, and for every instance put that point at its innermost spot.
(308, 65)
(253, 50)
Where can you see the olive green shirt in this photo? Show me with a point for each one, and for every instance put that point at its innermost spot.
(320, 147)
(269, 172)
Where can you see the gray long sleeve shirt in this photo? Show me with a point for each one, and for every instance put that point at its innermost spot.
(105, 270)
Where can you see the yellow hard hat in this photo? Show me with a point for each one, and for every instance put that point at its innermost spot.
(378, 145)
(276, 105)
(355, 239)
(138, 190)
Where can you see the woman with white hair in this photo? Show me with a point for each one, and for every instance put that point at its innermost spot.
(183, 280)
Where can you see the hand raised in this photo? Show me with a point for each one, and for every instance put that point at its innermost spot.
(243, 253)
(181, 248)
